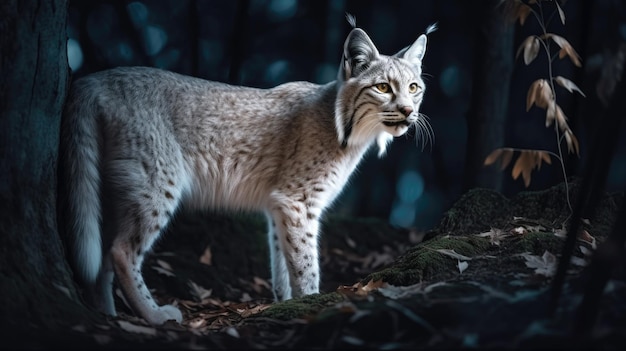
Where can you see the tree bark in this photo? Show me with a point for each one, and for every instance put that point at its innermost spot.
(36, 288)
(493, 65)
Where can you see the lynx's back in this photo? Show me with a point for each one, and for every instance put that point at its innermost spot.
(138, 142)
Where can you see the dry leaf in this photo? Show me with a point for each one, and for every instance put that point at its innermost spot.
(526, 162)
(539, 94)
(462, 265)
(504, 154)
(561, 13)
(566, 48)
(232, 332)
(358, 289)
(519, 231)
(207, 256)
(516, 10)
(530, 48)
(199, 292)
(63, 289)
(572, 142)
(495, 236)
(261, 283)
(399, 292)
(164, 265)
(164, 271)
(453, 254)
(560, 117)
(544, 265)
(568, 84)
(351, 243)
(523, 12)
(577, 261)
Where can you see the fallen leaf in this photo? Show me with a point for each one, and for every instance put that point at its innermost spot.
(164, 264)
(164, 271)
(198, 292)
(519, 230)
(453, 254)
(197, 323)
(495, 236)
(350, 242)
(207, 256)
(63, 289)
(358, 289)
(232, 332)
(577, 261)
(544, 265)
(261, 283)
(583, 235)
(462, 265)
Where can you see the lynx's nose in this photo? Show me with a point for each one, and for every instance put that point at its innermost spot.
(406, 110)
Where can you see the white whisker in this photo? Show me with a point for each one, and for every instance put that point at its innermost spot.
(425, 132)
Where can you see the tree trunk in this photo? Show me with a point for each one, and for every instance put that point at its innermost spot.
(493, 65)
(36, 288)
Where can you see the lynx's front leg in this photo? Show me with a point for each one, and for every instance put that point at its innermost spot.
(293, 246)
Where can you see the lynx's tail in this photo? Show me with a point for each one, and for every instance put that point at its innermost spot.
(79, 182)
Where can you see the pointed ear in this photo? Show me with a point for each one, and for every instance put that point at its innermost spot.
(415, 52)
(358, 53)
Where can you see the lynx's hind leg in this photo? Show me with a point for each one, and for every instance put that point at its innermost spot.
(101, 292)
(144, 211)
(280, 274)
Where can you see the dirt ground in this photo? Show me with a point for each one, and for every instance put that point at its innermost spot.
(481, 279)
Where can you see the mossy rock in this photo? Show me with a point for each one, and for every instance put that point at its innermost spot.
(424, 262)
(302, 307)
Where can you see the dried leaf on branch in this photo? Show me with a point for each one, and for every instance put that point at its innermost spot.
(539, 94)
(526, 161)
(566, 48)
(530, 48)
(568, 84)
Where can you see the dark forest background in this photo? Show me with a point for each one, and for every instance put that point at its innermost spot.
(263, 43)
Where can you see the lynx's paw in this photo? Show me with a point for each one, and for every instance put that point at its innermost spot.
(163, 314)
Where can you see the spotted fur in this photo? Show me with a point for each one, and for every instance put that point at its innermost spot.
(138, 142)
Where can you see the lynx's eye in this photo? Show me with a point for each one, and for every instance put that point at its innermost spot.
(383, 87)
(413, 88)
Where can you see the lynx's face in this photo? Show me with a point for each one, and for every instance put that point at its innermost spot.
(379, 96)
(392, 100)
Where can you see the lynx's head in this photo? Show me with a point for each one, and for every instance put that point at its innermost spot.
(379, 96)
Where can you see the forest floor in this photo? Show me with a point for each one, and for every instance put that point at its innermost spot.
(480, 280)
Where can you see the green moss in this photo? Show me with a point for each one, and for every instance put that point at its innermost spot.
(549, 204)
(538, 242)
(424, 262)
(476, 211)
(302, 306)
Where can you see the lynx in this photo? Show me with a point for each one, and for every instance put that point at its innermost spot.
(139, 142)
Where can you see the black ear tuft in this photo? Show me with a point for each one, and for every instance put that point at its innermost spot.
(358, 53)
(351, 20)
